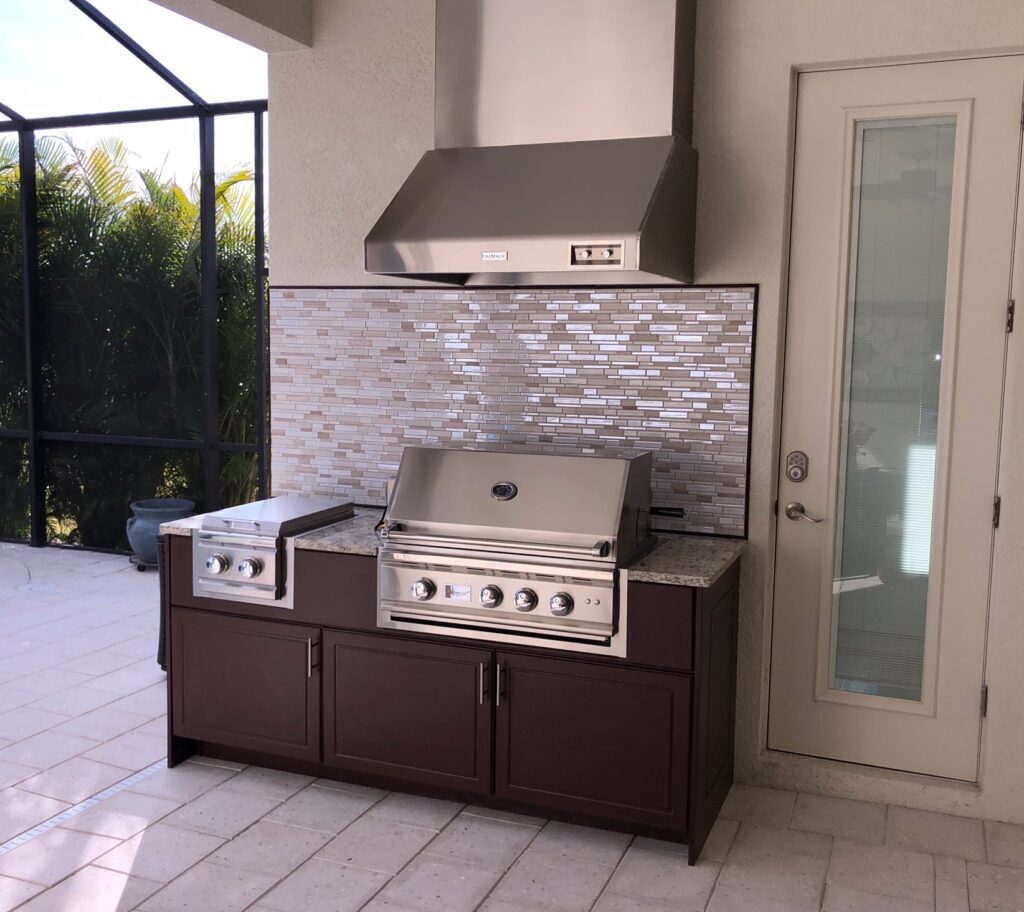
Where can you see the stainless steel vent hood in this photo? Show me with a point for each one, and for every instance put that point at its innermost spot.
(562, 148)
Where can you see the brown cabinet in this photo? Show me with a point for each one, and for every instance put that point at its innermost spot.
(593, 739)
(246, 683)
(410, 710)
(643, 742)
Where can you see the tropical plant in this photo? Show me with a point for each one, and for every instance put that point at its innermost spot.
(120, 336)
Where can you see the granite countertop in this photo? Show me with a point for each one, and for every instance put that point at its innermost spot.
(350, 536)
(688, 560)
(678, 560)
(182, 526)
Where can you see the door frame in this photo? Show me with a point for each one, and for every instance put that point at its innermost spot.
(768, 590)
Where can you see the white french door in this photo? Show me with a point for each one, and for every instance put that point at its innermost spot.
(905, 189)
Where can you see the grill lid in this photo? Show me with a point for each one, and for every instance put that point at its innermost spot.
(275, 517)
(571, 504)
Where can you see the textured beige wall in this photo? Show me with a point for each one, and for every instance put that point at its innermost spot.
(351, 117)
(747, 51)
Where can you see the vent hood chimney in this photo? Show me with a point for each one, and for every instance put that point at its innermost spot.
(562, 148)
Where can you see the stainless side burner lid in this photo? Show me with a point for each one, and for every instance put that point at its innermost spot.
(276, 517)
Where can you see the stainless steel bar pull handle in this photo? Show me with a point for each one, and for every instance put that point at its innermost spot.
(481, 683)
(796, 511)
(497, 686)
(598, 549)
(309, 658)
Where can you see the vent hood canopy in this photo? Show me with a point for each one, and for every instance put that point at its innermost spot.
(562, 148)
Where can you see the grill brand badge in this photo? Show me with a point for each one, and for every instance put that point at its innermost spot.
(493, 256)
(504, 490)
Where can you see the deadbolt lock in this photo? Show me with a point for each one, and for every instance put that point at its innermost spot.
(796, 465)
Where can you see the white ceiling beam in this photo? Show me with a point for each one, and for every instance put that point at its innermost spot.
(271, 25)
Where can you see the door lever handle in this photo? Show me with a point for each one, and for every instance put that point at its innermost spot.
(796, 511)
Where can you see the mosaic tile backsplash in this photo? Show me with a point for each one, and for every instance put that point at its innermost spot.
(358, 373)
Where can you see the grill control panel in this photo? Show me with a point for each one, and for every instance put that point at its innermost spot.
(495, 597)
(561, 604)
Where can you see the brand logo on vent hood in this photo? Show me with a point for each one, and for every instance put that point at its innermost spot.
(490, 256)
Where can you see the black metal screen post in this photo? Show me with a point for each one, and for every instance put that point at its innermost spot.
(261, 305)
(30, 283)
(209, 303)
(11, 113)
(137, 115)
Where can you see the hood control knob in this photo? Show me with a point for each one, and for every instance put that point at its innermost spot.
(217, 563)
(423, 589)
(526, 600)
(250, 567)
(490, 596)
(561, 604)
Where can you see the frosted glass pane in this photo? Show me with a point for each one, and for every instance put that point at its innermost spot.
(902, 194)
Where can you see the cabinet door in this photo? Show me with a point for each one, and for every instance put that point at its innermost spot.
(246, 683)
(408, 710)
(607, 741)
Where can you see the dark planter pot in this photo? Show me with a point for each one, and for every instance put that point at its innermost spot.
(144, 524)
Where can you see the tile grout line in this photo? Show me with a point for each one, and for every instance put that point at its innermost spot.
(722, 864)
(615, 870)
(504, 873)
(225, 841)
(828, 870)
(77, 809)
(281, 880)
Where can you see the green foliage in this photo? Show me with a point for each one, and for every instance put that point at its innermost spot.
(121, 347)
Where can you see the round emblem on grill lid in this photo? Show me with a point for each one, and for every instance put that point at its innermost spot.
(504, 490)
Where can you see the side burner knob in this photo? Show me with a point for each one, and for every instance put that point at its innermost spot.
(217, 563)
(250, 567)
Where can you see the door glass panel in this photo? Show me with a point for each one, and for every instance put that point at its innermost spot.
(902, 197)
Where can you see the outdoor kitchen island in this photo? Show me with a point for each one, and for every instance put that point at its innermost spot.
(641, 743)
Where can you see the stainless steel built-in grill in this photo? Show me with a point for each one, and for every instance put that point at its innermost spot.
(513, 547)
(246, 553)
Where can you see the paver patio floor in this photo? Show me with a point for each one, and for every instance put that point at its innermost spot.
(82, 709)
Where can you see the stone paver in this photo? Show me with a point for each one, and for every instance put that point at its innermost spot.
(82, 706)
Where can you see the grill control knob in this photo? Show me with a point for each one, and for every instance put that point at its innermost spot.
(526, 600)
(250, 567)
(423, 589)
(561, 604)
(490, 596)
(217, 563)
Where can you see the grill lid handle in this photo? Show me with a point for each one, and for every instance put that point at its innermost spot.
(392, 533)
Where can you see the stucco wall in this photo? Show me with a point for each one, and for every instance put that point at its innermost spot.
(351, 117)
